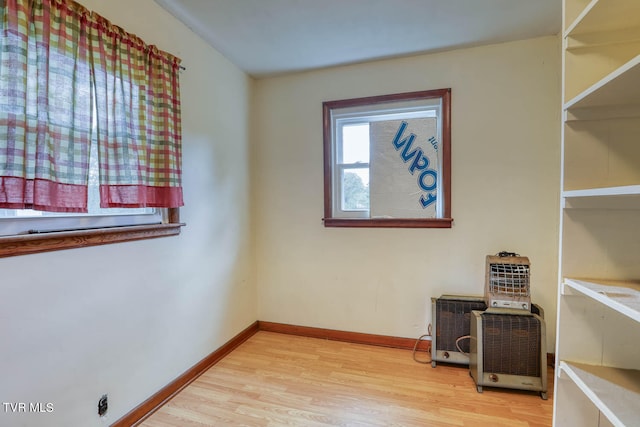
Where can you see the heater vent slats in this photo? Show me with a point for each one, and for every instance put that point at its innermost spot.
(509, 351)
(511, 344)
(451, 321)
(454, 318)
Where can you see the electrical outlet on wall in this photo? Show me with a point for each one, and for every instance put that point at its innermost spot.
(103, 405)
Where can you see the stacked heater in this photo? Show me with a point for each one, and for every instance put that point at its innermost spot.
(508, 342)
(506, 282)
(509, 350)
(502, 336)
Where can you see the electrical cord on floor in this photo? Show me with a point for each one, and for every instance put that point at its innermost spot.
(464, 337)
(415, 347)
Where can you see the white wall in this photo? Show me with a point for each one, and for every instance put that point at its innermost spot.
(505, 173)
(126, 319)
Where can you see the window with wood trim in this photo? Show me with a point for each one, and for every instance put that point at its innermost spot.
(90, 132)
(387, 161)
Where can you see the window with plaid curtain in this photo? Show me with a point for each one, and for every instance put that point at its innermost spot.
(57, 61)
(45, 106)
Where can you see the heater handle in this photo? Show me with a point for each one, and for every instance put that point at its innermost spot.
(503, 254)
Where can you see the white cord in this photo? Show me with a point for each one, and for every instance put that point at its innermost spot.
(415, 347)
(465, 337)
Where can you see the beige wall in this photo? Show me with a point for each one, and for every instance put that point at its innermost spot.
(505, 173)
(126, 319)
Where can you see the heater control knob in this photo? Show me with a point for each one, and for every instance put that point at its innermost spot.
(446, 354)
(493, 378)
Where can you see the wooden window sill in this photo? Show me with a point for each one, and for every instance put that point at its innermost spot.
(58, 240)
(389, 222)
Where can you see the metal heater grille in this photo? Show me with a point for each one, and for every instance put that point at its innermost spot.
(511, 344)
(507, 282)
(509, 279)
(453, 319)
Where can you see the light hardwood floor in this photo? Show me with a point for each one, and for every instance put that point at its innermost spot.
(284, 380)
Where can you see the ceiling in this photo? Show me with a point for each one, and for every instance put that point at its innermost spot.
(269, 37)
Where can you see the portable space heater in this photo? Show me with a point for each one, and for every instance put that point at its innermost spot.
(451, 322)
(508, 351)
(506, 283)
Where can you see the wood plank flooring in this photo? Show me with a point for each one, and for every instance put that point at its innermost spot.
(284, 380)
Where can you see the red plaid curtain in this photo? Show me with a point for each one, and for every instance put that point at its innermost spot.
(45, 107)
(138, 111)
(52, 54)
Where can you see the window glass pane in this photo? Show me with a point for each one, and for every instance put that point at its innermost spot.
(355, 189)
(355, 143)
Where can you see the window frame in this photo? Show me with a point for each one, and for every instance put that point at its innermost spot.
(332, 220)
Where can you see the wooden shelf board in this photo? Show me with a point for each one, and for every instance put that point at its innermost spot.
(615, 392)
(621, 87)
(605, 15)
(621, 296)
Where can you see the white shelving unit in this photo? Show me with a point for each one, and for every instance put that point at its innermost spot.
(620, 296)
(613, 391)
(598, 336)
